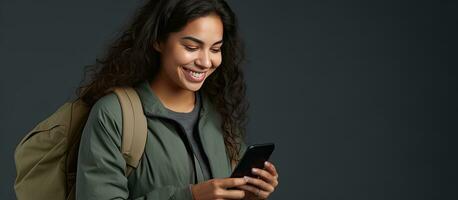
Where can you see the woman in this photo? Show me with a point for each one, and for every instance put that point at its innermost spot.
(183, 57)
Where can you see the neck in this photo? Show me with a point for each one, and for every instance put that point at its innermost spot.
(171, 96)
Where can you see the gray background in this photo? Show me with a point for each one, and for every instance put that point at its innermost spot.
(360, 97)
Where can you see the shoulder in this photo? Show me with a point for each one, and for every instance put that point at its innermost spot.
(106, 114)
(107, 105)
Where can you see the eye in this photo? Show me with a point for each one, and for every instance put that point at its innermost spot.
(216, 50)
(189, 48)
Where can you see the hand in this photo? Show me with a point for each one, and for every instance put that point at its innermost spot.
(218, 189)
(262, 187)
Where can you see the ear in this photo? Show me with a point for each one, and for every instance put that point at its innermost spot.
(157, 46)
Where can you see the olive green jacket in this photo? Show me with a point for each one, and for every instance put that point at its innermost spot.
(164, 171)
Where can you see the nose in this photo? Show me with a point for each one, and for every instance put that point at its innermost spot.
(204, 60)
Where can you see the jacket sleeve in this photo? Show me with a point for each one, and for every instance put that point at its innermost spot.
(100, 173)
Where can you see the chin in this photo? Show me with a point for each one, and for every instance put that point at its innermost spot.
(193, 87)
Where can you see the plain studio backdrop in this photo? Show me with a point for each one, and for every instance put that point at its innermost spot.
(360, 97)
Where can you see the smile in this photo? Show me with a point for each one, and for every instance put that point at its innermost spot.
(194, 76)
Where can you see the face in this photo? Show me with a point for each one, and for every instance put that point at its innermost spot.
(191, 55)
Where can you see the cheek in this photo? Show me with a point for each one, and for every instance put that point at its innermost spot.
(182, 57)
(217, 60)
(176, 57)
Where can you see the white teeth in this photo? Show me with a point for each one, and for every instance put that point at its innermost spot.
(195, 74)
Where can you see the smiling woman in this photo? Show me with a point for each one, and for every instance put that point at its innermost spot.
(183, 58)
(189, 56)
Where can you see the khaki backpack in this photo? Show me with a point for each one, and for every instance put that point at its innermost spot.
(46, 157)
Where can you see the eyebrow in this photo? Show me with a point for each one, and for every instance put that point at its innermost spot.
(198, 41)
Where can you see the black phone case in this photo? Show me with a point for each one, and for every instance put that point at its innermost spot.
(254, 157)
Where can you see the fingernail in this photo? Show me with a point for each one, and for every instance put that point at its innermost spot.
(254, 170)
(245, 178)
(266, 163)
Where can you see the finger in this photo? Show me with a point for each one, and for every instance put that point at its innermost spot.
(261, 184)
(255, 191)
(230, 194)
(264, 175)
(271, 168)
(232, 182)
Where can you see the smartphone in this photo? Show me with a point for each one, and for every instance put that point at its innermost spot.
(254, 157)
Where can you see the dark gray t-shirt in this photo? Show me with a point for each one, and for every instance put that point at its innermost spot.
(187, 123)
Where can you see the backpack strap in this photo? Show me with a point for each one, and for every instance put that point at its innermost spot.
(134, 127)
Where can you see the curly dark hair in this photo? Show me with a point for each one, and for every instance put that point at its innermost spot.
(131, 59)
